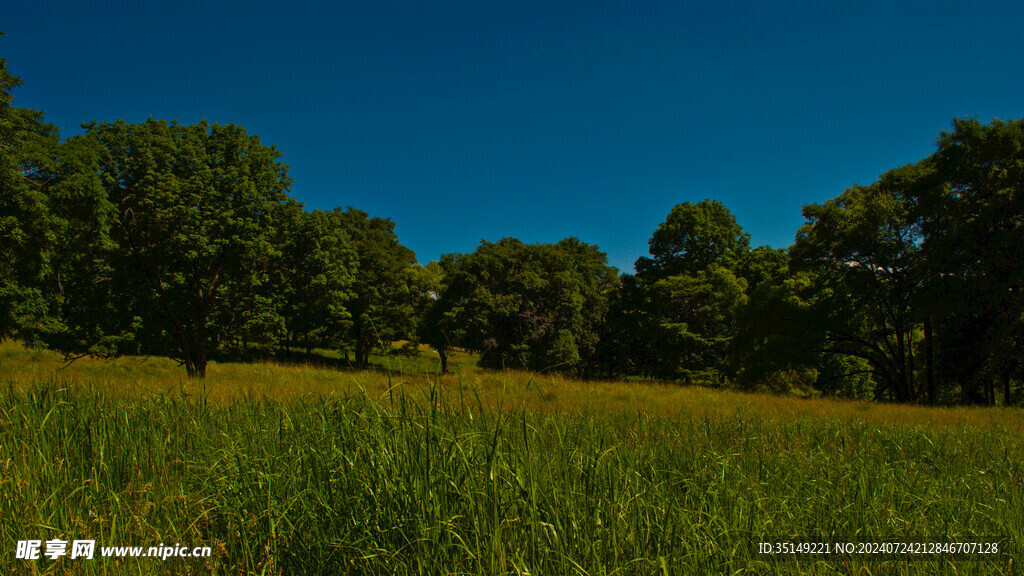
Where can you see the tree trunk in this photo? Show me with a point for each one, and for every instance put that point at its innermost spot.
(444, 360)
(200, 364)
(929, 359)
(913, 390)
(195, 362)
(201, 348)
(360, 345)
(364, 361)
(199, 367)
(360, 354)
(195, 354)
(1006, 389)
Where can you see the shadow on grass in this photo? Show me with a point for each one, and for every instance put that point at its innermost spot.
(401, 360)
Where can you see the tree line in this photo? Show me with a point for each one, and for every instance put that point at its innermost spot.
(184, 241)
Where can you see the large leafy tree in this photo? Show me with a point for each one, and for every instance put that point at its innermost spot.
(693, 237)
(975, 238)
(771, 341)
(439, 327)
(383, 301)
(914, 279)
(624, 344)
(687, 294)
(863, 251)
(300, 296)
(27, 225)
(196, 209)
(694, 319)
(532, 306)
(319, 268)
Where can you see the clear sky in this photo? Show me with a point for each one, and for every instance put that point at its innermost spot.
(476, 119)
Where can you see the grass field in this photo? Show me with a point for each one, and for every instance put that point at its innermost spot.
(302, 470)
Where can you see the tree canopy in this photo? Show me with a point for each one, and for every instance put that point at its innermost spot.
(686, 296)
(864, 249)
(28, 230)
(692, 238)
(537, 307)
(191, 211)
(184, 241)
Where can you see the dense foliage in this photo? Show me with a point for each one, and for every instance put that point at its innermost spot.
(183, 241)
(27, 229)
(538, 307)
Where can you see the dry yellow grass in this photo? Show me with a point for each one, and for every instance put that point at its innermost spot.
(227, 383)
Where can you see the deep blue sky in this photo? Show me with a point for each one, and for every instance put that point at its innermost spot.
(475, 119)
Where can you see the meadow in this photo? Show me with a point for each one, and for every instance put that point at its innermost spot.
(293, 469)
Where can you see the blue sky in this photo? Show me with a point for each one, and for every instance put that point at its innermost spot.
(469, 119)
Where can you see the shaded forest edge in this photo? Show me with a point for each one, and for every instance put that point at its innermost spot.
(183, 241)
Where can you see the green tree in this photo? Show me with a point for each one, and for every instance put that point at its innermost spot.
(438, 327)
(975, 238)
(691, 239)
(382, 305)
(863, 252)
(537, 307)
(764, 266)
(771, 341)
(688, 294)
(695, 318)
(27, 226)
(317, 278)
(624, 344)
(196, 208)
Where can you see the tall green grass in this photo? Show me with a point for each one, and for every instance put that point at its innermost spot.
(437, 481)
